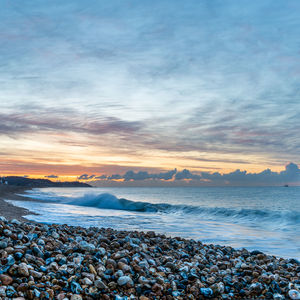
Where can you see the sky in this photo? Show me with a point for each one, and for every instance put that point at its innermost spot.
(102, 88)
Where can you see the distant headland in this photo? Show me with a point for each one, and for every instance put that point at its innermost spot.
(30, 182)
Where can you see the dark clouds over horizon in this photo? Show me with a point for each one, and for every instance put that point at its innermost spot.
(291, 174)
(154, 84)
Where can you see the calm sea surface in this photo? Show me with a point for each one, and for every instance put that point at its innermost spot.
(262, 218)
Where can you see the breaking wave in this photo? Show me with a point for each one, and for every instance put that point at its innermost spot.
(109, 201)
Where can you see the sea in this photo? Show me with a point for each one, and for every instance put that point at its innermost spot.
(256, 218)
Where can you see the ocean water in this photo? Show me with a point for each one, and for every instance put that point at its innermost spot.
(256, 218)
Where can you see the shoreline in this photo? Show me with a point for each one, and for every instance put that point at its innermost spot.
(40, 261)
(9, 210)
(13, 211)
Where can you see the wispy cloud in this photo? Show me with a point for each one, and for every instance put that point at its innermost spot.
(45, 120)
(198, 81)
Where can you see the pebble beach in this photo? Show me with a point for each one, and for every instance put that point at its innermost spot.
(40, 261)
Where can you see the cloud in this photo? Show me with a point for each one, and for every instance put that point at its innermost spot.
(142, 175)
(166, 175)
(51, 176)
(131, 175)
(114, 177)
(45, 120)
(199, 76)
(101, 177)
(291, 174)
(186, 174)
(85, 177)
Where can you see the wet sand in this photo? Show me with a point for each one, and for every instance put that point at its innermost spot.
(8, 210)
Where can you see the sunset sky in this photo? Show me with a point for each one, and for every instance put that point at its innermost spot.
(106, 87)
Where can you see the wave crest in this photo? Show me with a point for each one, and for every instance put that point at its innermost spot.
(109, 201)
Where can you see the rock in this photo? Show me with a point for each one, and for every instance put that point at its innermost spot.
(214, 269)
(257, 287)
(87, 281)
(175, 294)
(86, 246)
(18, 255)
(41, 242)
(294, 261)
(35, 274)
(3, 219)
(2, 291)
(206, 292)
(76, 287)
(61, 296)
(3, 244)
(123, 280)
(101, 251)
(5, 279)
(10, 260)
(98, 263)
(244, 266)
(92, 269)
(76, 297)
(15, 221)
(143, 280)
(10, 291)
(55, 235)
(220, 287)
(211, 280)
(100, 284)
(255, 252)
(23, 269)
(294, 294)
(117, 297)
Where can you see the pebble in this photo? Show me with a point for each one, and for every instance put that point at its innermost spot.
(5, 279)
(64, 262)
(3, 244)
(3, 219)
(23, 269)
(124, 280)
(294, 294)
(76, 297)
(206, 292)
(100, 284)
(16, 222)
(2, 291)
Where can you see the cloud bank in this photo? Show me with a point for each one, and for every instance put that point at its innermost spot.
(290, 175)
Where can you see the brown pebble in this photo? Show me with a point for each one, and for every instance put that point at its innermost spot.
(5, 279)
